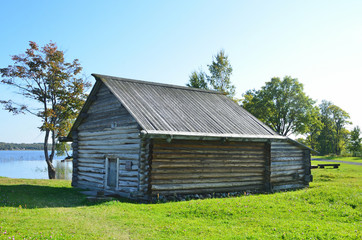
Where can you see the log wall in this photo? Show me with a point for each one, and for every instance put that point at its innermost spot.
(290, 166)
(188, 167)
(107, 131)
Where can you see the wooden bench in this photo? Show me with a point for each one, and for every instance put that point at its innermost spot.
(334, 165)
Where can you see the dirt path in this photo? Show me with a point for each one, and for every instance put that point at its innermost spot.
(327, 160)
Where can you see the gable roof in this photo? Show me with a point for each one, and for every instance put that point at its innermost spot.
(169, 109)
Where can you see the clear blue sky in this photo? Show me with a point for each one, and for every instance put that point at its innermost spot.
(318, 42)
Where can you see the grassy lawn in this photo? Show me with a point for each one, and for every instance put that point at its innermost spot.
(347, 159)
(330, 209)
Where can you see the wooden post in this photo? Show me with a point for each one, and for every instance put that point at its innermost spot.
(75, 158)
(307, 166)
(267, 171)
(149, 162)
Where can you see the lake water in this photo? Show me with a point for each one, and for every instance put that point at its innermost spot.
(31, 164)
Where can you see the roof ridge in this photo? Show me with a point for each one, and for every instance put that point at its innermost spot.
(101, 76)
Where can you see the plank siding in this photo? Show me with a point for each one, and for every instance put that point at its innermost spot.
(187, 167)
(108, 130)
(288, 166)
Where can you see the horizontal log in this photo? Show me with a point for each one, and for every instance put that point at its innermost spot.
(127, 189)
(283, 173)
(287, 154)
(188, 175)
(205, 164)
(90, 179)
(123, 184)
(100, 107)
(107, 136)
(125, 129)
(287, 163)
(89, 169)
(208, 152)
(92, 175)
(207, 156)
(207, 160)
(286, 168)
(123, 173)
(107, 152)
(123, 156)
(287, 158)
(286, 179)
(206, 180)
(92, 165)
(90, 127)
(106, 118)
(128, 179)
(111, 147)
(90, 185)
(112, 142)
(208, 147)
(202, 185)
(209, 170)
(91, 160)
(192, 143)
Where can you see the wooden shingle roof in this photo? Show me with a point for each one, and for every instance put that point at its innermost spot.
(175, 110)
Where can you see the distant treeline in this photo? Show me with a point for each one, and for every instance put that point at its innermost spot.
(21, 146)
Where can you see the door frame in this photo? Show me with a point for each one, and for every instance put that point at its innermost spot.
(106, 173)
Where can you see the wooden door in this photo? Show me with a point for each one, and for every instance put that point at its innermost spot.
(112, 173)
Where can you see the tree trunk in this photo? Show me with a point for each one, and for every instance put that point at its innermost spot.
(51, 171)
(49, 159)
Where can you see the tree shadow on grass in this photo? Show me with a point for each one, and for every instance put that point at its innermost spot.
(35, 196)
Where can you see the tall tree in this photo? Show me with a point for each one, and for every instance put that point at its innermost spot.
(219, 78)
(282, 105)
(334, 134)
(220, 72)
(355, 141)
(53, 86)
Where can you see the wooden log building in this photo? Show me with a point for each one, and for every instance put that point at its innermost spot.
(140, 139)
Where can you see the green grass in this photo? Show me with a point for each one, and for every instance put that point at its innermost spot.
(329, 209)
(347, 159)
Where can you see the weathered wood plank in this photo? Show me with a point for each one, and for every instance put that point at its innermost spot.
(89, 179)
(207, 180)
(203, 185)
(208, 160)
(123, 156)
(188, 175)
(92, 165)
(205, 165)
(107, 152)
(130, 146)
(106, 142)
(94, 170)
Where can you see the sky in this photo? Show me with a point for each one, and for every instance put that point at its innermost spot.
(317, 42)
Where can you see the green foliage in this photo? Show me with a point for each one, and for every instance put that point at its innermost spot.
(283, 106)
(220, 72)
(219, 79)
(62, 149)
(53, 86)
(330, 209)
(354, 144)
(333, 136)
(198, 80)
